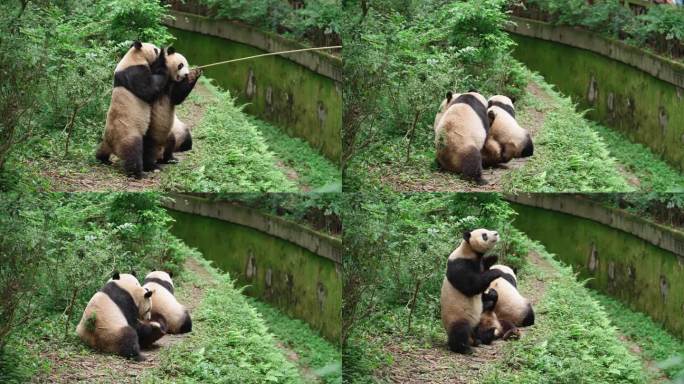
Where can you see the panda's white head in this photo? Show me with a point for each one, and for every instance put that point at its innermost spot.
(149, 51)
(481, 240)
(177, 65)
(500, 99)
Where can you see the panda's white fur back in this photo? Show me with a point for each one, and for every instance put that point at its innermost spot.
(164, 302)
(511, 306)
(108, 325)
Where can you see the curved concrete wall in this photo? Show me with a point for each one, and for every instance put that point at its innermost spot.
(631, 259)
(659, 235)
(630, 90)
(301, 93)
(316, 242)
(289, 266)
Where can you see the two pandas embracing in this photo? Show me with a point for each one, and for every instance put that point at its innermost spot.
(125, 316)
(480, 301)
(472, 132)
(142, 128)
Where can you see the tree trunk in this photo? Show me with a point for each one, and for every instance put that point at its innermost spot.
(412, 134)
(413, 304)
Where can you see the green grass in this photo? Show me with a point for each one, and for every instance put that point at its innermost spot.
(229, 155)
(316, 354)
(569, 156)
(572, 340)
(230, 343)
(653, 173)
(315, 171)
(656, 344)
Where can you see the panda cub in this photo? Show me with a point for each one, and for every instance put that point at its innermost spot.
(506, 139)
(511, 306)
(461, 128)
(116, 318)
(165, 308)
(139, 79)
(467, 277)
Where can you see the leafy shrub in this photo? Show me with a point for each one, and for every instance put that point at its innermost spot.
(400, 60)
(661, 27)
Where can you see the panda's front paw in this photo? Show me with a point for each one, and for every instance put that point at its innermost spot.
(488, 261)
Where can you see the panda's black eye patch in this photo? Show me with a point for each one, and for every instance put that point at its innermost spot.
(484, 236)
(156, 51)
(180, 65)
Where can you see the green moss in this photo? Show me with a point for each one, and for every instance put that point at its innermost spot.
(299, 96)
(298, 276)
(638, 98)
(636, 266)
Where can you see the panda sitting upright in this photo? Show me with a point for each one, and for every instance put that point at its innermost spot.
(467, 277)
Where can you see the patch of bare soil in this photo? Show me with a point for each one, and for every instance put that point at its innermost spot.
(531, 119)
(96, 177)
(94, 367)
(292, 175)
(437, 364)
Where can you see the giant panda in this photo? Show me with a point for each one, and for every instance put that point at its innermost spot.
(148, 331)
(511, 306)
(467, 276)
(139, 79)
(114, 316)
(164, 109)
(165, 308)
(506, 139)
(460, 134)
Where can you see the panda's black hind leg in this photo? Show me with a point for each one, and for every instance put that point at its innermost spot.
(129, 346)
(459, 337)
(168, 150)
(149, 154)
(103, 153)
(471, 165)
(131, 155)
(187, 323)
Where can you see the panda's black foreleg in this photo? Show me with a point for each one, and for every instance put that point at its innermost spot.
(149, 332)
(129, 346)
(465, 276)
(489, 299)
(131, 155)
(488, 261)
(459, 337)
(149, 154)
(168, 150)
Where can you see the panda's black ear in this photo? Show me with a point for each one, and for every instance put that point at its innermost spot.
(513, 99)
(115, 275)
(473, 90)
(489, 103)
(466, 235)
(170, 274)
(170, 50)
(133, 273)
(148, 294)
(515, 270)
(449, 96)
(137, 44)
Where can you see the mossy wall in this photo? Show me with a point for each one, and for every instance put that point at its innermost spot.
(293, 279)
(303, 103)
(643, 276)
(647, 110)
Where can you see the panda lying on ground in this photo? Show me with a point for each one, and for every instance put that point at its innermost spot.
(121, 318)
